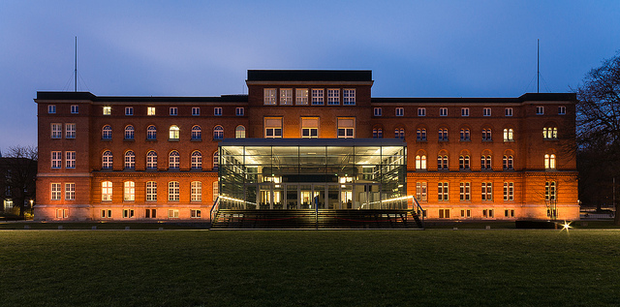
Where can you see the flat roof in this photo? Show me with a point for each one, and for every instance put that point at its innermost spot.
(309, 75)
(45, 95)
(473, 100)
(313, 142)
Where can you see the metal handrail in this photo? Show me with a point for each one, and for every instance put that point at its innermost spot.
(420, 209)
(214, 208)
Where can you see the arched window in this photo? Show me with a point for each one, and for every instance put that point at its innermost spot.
(151, 160)
(443, 134)
(464, 162)
(508, 162)
(107, 160)
(550, 133)
(399, 133)
(465, 134)
(420, 162)
(240, 132)
(174, 161)
(196, 160)
(106, 132)
(442, 161)
(486, 135)
(196, 133)
(485, 161)
(218, 133)
(106, 191)
(174, 133)
(549, 161)
(508, 135)
(377, 133)
(421, 134)
(216, 160)
(130, 160)
(129, 132)
(151, 133)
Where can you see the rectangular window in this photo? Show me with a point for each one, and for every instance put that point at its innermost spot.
(562, 110)
(62, 213)
(56, 159)
(273, 127)
(487, 191)
(465, 191)
(69, 191)
(239, 111)
(55, 191)
(106, 191)
(508, 111)
(346, 128)
(173, 213)
(309, 127)
(75, 109)
(196, 192)
(128, 213)
(216, 190)
(70, 159)
(107, 110)
(195, 111)
(151, 191)
(348, 95)
(488, 213)
(173, 191)
(420, 191)
(333, 96)
(444, 213)
(464, 111)
(443, 111)
(442, 191)
(421, 111)
(550, 191)
(400, 111)
(151, 213)
(465, 213)
(129, 191)
(56, 131)
(286, 96)
(486, 112)
(509, 191)
(128, 111)
(217, 111)
(301, 96)
(150, 111)
(540, 110)
(269, 96)
(509, 213)
(70, 131)
(378, 112)
(195, 213)
(173, 111)
(51, 109)
(318, 96)
(106, 213)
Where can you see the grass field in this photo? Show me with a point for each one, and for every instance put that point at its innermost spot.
(310, 268)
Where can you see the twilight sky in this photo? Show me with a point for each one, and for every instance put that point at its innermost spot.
(204, 48)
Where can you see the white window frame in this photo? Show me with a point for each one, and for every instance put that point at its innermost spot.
(443, 191)
(55, 191)
(348, 96)
(420, 162)
(70, 191)
(70, 130)
(218, 132)
(195, 111)
(173, 111)
(399, 111)
(56, 159)
(486, 112)
(301, 96)
(286, 96)
(540, 110)
(240, 111)
(269, 96)
(107, 110)
(130, 133)
(333, 97)
(196, 160)
(215, 190)
(70, 159)
(217, 111)
(129, 191)
(378, 111)
(318, 96)
(173, 191)
(195, 213)
(75, 109)
(486, 191)
(128, 111)
(421, 191)
(56, 131)
(106, 190)
(196, 191)
(51, 109)
(561, 110)
(464, 112)
(150, 111)
(151, 134)
(173, 133)
(130, 160)
(508, 112)
(107, 160)
(443, 111)
(509, 191)
(240, 132)
(421, 111)
(174, 160)
(151, 191)
(173, 213)
(196, 133)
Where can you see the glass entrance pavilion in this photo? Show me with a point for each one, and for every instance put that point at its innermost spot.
(312, 174)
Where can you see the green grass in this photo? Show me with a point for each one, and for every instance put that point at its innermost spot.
(310, 268)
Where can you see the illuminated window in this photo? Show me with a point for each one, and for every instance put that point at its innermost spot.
(56, 131)
(55, 191)
(129, 132)
(70, 159)
(196, 133)
(107, 110)
(216, 160)
(106, 191)
(217, 111)
(378, 111)
(195, 213)
(195, 111)
(442, 191)
(51, 109)
(129, 193)
(56, 159)
(239, 111)
(509, 191)
(196, 191)
(130, 160)
(240, 132)
(443, 111)
(508, 135)
(421, 134)
(464, 111)
(174, 160)
(301, 96)
(128, 111)
(550, 133)
(444, 213)
(151, 133)
(173, 133)
(151, 191)
(151, 160)
(549, 161)
(420, 191)
(318, 96)
(421, 111)
(487, 191)
(508, 111)
(346, 128)
(348, 95)
(269, 96)
(273, 127)
(196, 160)
(216, 190)
(173, 111)
(486, 112)
(69, 191)
(106, 132)
(465, 191)
(173, 213)
(173, 191)
(218, 133)
(150, 111)
(420, 162)
(70, 131)
(107, 160)
(62, 213)
(286, 96)
(310, 127)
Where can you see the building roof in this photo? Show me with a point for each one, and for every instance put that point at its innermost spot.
(313, 142)
(91, 97)
(486, 100)
(309, 75)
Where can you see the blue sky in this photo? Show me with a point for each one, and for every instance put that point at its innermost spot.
(204, 48)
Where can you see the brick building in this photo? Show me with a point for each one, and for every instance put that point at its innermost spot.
(157, 158)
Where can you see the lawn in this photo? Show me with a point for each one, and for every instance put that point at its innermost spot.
(309, 268)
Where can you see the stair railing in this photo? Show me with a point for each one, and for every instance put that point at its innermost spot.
(214, 210)
(420, 210)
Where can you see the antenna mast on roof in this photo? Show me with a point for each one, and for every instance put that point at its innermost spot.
(75, 71)
(538, 66)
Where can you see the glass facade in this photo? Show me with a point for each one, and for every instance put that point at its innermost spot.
(313, 173)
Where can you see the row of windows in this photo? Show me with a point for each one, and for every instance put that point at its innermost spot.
(130, 213)
(485, 162)
(173, 111)
(51, 109)
(400, 111)
(57, 156)
(173, 133)
(271, 96)
(549, 133)
(129, 191)
(174, 160)
(70, 130)
(466, 213)
(486, 191)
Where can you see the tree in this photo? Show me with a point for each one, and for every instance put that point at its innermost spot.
(598, 120)
(21, 172)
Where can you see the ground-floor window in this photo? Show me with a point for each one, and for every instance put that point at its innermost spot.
(195, 213)
(62, 213)
(465, 213)
(509, 213)
(151, 213)
(106, 213)
(128, 213)
(444, 213)
(173, 213)
(488, 213)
